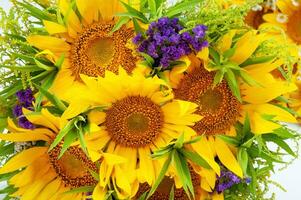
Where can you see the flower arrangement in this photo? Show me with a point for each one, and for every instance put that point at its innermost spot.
(190, 99)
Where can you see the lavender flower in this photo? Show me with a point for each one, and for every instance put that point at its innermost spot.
(165, 44)
(25, 98)
(226, 181)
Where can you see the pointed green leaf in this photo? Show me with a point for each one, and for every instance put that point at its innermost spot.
(60, 61)
(179, 142)
(243, 159)
(257, 60)
(70, 137)
(232, 82)
(195, 158)
(249, 80)
(279, 141)
(122, 21)
(84, 189)
(183, 172)
(152, 6)
(160, 177)
(181, 7)
(43, 66)
(53, 99)
(172, 193)
(135, 13)
(69, 126)
(229, 139)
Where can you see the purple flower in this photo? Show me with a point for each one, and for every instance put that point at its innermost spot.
(165, 44)
(226, 181)
(137, 38)
(24, 123)
(25, 98)
(17, 110)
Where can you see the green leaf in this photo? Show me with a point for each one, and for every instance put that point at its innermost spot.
(53, 99)
(83, 189)
(45, 85)
(229, 139)
(279, 141)
(70, 137)
(134, 13)
(218, 77)
(172, 193)
(181, 7)
(143, 196)
(122, 21)
(137, 27)
(247, 127)
(153, 8)
(82, 141)
(94, 174)
(7, 149)
(230, 52)
(215, 55)
(194, 140)
(249, 143)
(284, 133)
(195, 158)
(248, 79)
(150, 61)
(255, 153)
(43, 66)
(160, 177)
(35, 12)
(232, 82)
(25, 68)
(184, 173)
(60, 61)
(69, 126)
(258, 60)
(179, 142)
(243, 159)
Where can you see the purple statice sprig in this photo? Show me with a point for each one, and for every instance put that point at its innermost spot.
(228, 179)
(165, 41)
(25, 100)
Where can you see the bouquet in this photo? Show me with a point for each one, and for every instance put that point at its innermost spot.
(148, 99)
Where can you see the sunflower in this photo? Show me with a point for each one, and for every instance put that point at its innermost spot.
(85, 39)
(287, 18)
(221, 110)
(138, 116)
(44, 176)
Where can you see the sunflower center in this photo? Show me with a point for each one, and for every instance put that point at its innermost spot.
(217, 105)
(210, 101)
(134, 121)
(255, 18)
(73, 167)
(101, 51)
(96, 50)
(294, 26)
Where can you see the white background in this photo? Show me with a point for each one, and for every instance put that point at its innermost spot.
(289, 178)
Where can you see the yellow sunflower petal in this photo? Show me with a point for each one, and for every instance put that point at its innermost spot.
(226, 41)
(38, 119)
(24, 137)
(99, 192)
(267, 91)
(49, 190)
(227, 158)
(47, 42)
(145, 171)
(74, 109)
(246, 46)
(53, 27)
(96, 117)
(88, 10)
(73, 22)
(23, 159)
(203, 149)
(284, 7)
(217, 196)
(108, 10)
